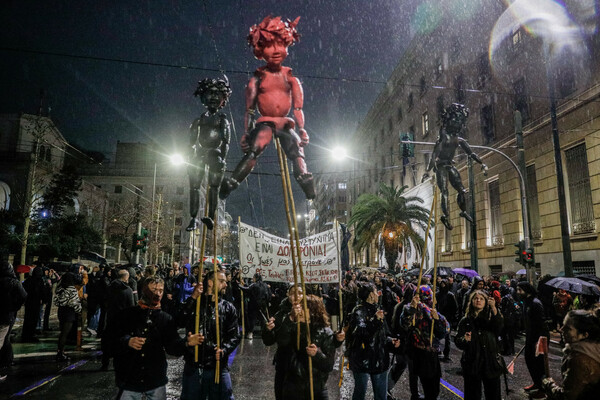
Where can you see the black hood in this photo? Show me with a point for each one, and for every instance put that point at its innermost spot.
(6, 270)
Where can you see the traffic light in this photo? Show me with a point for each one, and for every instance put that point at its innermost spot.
(408, 149)
(136, 242)
(528, 256)
(144, 240)
(520, 253)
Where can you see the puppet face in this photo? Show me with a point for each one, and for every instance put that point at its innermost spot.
(274, 52)
(213, 99)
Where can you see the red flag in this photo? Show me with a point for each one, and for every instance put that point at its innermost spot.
(541, 346)
(511, 368)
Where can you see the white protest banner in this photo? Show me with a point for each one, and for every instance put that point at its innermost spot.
(270, 256)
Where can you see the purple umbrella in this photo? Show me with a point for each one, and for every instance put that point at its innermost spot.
(465, 272)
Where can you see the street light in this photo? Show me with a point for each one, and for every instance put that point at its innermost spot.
(339, 153)
(176, 159)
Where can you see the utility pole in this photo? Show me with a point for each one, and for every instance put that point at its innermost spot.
(474, 260)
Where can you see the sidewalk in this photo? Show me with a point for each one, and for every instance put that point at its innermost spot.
(47, 346)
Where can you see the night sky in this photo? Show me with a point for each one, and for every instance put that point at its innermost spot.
(126, 70)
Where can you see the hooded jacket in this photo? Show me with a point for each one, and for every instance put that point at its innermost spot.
(184, 284)
(368, 340)
(12, 294)
(581, 373)
(120, 296)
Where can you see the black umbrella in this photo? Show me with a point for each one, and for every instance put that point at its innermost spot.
(574, 285)
(589, 278)
(413, 272)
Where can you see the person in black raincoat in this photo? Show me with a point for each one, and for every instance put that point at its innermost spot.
(259, 295)
(368, 343)
(476, 337)
(321, 349)
(34, 286)
(198, 380)
(140, 337)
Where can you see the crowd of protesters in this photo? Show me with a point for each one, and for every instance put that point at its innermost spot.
(389, 324)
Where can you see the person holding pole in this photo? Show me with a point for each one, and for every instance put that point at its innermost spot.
(418, 318)
(198, 381)
(321, 349)
(368, 343)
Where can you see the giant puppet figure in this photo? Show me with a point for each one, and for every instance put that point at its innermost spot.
(209, 141)
(273, 91)
(454, 120)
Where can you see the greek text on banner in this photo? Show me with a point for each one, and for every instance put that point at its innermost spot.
(270, 256)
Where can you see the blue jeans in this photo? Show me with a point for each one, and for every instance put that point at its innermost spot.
(197, 384)
(160, 393)
(378, 381)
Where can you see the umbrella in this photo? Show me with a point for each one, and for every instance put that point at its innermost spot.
(589, 278)
(23, 269)
(413, 272)
(574, 285)
(523, 271)
(465, 272)
(442, 271)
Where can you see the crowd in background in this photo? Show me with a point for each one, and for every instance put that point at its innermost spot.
(389, 324)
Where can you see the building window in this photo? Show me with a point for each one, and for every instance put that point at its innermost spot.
(118, 189)
(580, 193)
(341, 199)
(177, 238)
(484, 71)
(496, 269)
(400, 115)
(178, 221)
(425, 123)
(439, 69)
(341, 185)
(382, 134)
(49, 154)
(496, 237)
(422, 86)
(487, 123)
(517, 38)
(179, 190)
(521, 103)
(448, 235)
(565, 80)
(533, 203)
(391, 125)
(467, 230)
(178, 205)
(439, 106)
(584, 268)
(459, 89)
(411, 100)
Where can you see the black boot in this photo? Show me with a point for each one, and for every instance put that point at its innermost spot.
(61, 356)
(466, 216)
(192, 225)
(307, 184)
(208, 222)
(446, 223)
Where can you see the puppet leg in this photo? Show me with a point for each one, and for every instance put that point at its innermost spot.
(461, 196)
(196, 175)
(290, 142)
(261, 137)
(442, 182)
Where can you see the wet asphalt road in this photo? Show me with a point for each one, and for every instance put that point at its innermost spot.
(251, 371)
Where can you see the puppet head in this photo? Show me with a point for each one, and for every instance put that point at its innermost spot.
(214, 93)
(454, 117)
(273, 32)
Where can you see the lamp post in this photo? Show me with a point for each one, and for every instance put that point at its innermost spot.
(175, 160)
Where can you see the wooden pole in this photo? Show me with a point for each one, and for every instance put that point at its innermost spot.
(199, 274)
(284, 184)
(241, 292)
(216, 296)
(295, 236)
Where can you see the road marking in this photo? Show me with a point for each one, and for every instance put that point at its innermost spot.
(52, 377)
(452, 389)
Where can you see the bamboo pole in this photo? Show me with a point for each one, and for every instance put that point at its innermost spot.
(241, 292)
(216, 296)
(284, 183)
(295, 236)
(199, 275)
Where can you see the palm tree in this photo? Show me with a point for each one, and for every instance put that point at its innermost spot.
(393, 216)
